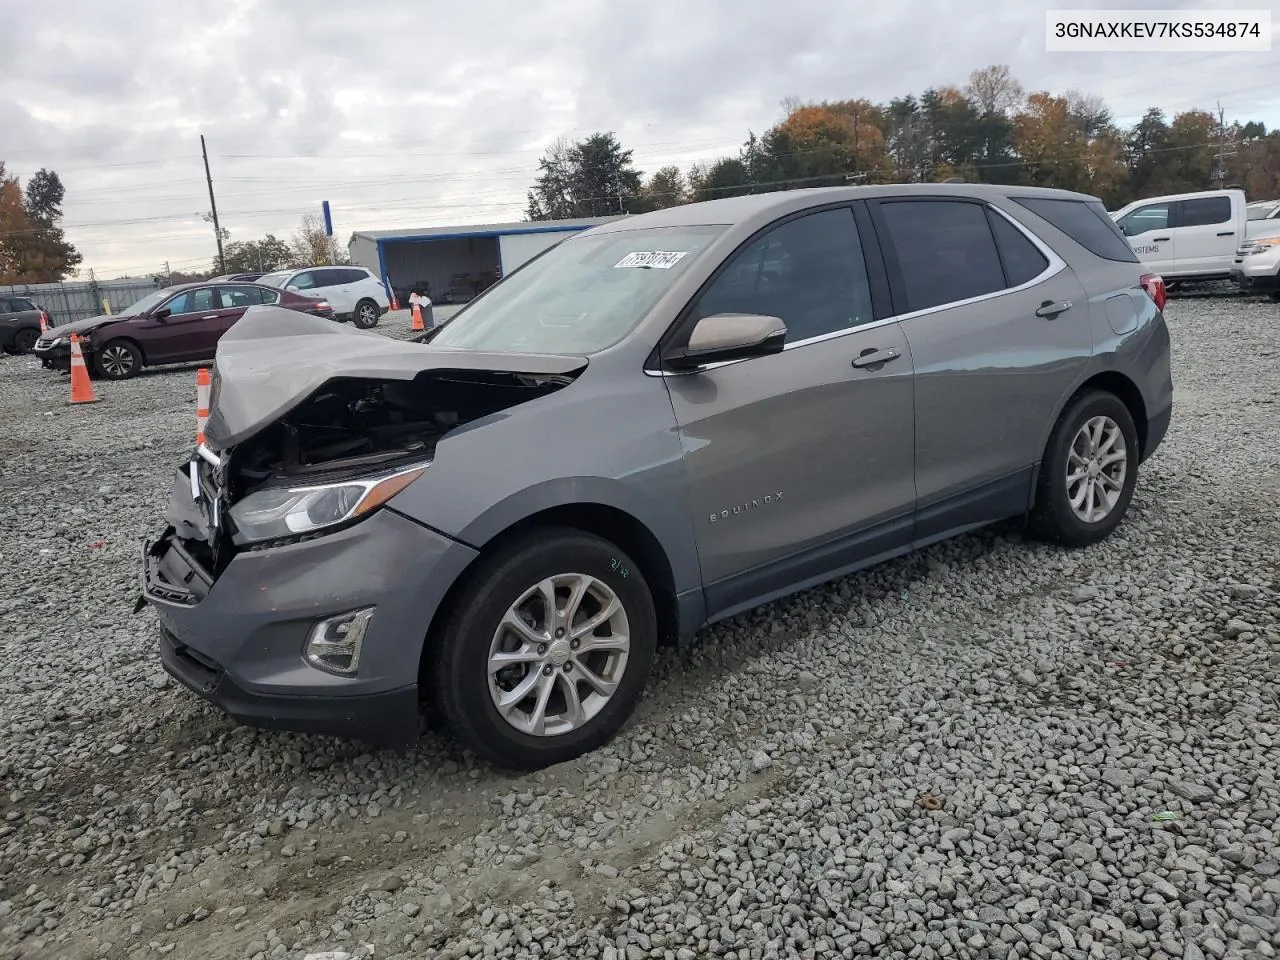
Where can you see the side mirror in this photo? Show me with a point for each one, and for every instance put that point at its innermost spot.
(162, 314)
(729, 336)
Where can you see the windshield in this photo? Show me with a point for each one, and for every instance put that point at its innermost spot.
(275, 279)
(1262, 212)
(581, 296)
(146, 303)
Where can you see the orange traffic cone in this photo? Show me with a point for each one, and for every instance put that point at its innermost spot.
(44, 322)
(395, 303)
(81, 387)
(417, 318)
(202, 402)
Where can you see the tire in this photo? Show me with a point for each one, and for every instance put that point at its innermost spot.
(24, 340)
(365, 315)
(118, 360)
(463, 691)
(1053, 518)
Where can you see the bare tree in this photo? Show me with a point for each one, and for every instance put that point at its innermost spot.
(994, 90)
(312, 247)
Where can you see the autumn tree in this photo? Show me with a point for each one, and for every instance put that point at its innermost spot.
(13, 224)
(36, 250)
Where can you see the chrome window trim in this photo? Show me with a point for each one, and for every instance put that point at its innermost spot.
(1056, 265)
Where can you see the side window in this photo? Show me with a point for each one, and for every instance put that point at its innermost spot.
(203, 299)
(945, 250)
(19, 303)
(1086, 222)
(1204, 211)
(8, 306)
(330, 277)
(303, 281)
(233, 298)
(178, 304)
(809, 272)
(1154, 216)
(1023, 261)
(266, 296)
(352, 275)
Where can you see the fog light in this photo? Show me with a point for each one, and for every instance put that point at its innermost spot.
(334, 644)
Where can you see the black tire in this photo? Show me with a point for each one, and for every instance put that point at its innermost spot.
(1052, 518)
(117, 360)
(458, 665)
(365, 315)
(24, 340)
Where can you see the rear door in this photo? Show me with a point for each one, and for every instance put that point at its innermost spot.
(233, 301)
(1149, 228)
(999, 330)
(1205, 235)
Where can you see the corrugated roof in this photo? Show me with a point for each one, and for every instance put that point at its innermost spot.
(482, 229)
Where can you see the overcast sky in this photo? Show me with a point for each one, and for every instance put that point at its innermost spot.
(422, 112)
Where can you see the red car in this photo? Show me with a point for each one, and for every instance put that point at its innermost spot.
(178, 324)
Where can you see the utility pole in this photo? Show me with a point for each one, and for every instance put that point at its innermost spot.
(1220, 168)
(213, 207)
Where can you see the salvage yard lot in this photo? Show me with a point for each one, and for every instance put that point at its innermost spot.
(991, 744)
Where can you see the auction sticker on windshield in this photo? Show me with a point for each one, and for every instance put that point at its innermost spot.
(661, 259)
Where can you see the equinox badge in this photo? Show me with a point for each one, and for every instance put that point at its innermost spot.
(740, 508)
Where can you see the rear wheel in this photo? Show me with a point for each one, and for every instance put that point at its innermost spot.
(24, 340)
(1088, 472)
(365, 314)
(118, 360)
(547, 651)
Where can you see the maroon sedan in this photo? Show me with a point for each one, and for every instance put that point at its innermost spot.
(178, 324)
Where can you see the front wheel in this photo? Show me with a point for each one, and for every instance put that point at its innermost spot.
(365, 314)
(1088, 472)
(547, 650)
(118, 360)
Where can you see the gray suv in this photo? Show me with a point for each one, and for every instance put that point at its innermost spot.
(654, 425)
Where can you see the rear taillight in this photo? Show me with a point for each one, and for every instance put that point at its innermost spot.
(1154, 285)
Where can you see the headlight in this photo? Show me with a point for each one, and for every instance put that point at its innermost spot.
(288, 511)
(1263, 245)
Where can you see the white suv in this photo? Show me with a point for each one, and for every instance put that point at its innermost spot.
(354, 292)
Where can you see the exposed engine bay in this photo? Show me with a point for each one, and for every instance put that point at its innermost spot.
(359, 425)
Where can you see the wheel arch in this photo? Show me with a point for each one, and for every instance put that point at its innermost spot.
(1109, 381)
(604, 520)
(142, 351)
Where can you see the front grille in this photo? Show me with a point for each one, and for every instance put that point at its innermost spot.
(43, 344)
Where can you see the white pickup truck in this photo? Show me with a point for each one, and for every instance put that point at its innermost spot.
(1193, 236)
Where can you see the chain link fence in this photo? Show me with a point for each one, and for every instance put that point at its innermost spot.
(65, 302)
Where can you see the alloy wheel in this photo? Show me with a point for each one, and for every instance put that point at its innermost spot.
(117, 361)
(558, 655)
(1097, 465)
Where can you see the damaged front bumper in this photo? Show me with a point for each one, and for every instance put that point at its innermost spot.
(239, 638)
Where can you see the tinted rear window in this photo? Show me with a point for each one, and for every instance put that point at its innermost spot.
(1023, 261)
(945, 251)
(1204, 211)
(1085, 222)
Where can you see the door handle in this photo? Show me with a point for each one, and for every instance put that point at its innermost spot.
(872, 357)
(212, 316)
(1050, 309)
(1227, 233)
(1158, 239)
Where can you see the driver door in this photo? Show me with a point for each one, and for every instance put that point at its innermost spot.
(801, 463)
(1150, 235)
(183, 334)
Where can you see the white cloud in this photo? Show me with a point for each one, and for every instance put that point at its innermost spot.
(431, 113)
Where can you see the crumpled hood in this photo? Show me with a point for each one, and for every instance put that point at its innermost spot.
(274, 358)
(83, 326)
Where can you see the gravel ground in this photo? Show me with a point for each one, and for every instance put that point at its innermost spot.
(993, 749)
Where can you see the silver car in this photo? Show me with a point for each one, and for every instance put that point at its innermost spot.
(656, 424)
